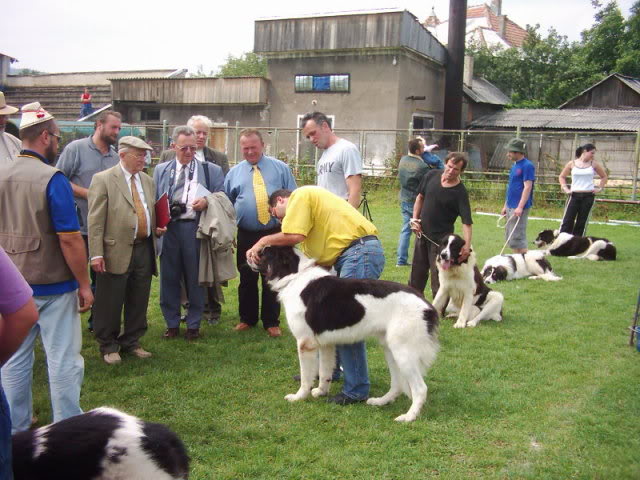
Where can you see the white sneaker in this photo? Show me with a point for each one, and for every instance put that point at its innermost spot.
(112, 358)
(141, 353)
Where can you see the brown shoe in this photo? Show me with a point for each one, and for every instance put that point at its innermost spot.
(172, 332)
(140, 352)
(112, 358)
(192, 334)
(274, 331)
(242, 327)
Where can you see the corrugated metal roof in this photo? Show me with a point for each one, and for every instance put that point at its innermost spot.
(631, 82)
(483, 91)
(566, 119)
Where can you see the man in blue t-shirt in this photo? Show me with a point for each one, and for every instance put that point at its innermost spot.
(519, 196)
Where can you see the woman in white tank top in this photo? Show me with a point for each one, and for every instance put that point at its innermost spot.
(583, 170)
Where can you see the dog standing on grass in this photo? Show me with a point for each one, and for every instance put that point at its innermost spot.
(323, 311)
(461, 284)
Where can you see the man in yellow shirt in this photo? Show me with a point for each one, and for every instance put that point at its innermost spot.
(335, 234)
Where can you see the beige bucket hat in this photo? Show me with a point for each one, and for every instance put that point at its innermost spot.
(4, 108)
(32, 114)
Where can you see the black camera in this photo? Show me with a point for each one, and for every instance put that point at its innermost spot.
(176, 209)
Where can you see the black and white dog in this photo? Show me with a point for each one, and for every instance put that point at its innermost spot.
(462, 285)
(531, 264)
(323, 311)
(567, 245)
(103, 444)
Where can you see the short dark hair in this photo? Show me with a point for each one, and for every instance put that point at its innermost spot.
(415, 145)
(247, 132)
(317, 117)
(32, 132)
(457, 157)
(273, 198)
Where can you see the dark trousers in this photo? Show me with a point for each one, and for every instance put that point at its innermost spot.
(92, 276)
(179, 260)
(424, 262)
(577, 213)
(248, 289)
(129, 292)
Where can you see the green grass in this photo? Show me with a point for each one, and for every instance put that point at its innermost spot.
(550, 392)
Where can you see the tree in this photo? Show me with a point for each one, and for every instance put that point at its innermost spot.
(629, 61)
(602, 44)
(246, 65)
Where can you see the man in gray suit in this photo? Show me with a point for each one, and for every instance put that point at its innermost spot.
(202, 126)
(122, 223)
(180, 249)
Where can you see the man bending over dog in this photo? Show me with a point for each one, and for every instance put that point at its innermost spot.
(442, 198)
(335, 234)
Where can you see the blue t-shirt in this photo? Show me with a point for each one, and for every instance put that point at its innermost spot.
(521, 171)
(238, 185)
(62, 210)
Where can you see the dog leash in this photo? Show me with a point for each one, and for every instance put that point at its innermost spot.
(505, 226)
(420, 234)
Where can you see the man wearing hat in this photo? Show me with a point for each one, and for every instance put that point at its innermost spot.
(122, 223)
(41, 235)
(519, 196)
(10, 146)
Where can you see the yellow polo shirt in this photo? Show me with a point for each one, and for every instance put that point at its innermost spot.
(328, 222)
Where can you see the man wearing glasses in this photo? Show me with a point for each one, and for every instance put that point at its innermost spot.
(183, 180)
(82, 159)
(42, 238)
(248, 186)
(122, 223)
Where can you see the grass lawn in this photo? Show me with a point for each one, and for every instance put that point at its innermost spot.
(550, 392)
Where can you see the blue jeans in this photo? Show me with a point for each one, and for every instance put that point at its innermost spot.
(405, 233)
(363, 260)
(6, 472)
(59, 329)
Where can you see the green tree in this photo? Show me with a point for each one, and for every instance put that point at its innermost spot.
(246, 65)
(603, 42)
(629, 61)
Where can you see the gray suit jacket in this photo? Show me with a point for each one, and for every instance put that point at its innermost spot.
(210, 155)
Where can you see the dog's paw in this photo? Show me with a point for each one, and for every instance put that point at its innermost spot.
(376, 402)
(459, 325)
(472, 324)
(405, 418)
(319, 392)
(294, 397)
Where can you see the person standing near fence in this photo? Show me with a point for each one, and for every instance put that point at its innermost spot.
(519, 196)
(582, 193)
(85, 101)
(411, 169)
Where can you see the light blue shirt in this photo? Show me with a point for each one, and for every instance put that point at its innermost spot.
(238, 185)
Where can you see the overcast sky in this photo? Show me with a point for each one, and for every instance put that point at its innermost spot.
(89, 35)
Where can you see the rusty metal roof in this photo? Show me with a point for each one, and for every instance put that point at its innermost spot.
(562, 119)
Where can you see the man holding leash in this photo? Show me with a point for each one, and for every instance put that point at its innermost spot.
(442, 198)
(336, 235)
(519, 196)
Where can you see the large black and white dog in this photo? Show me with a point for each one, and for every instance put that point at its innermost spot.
(513, 266)
(567, 245)
(103, 444)
(323, 311)
(461, 284)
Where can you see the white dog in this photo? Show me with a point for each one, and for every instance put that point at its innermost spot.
(462, 284)
(103, 444)
(562, 244)
(531, 264)
(323, 311)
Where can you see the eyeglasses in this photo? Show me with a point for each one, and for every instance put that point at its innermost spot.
(187, 148)
(54, 135)
(137, 155)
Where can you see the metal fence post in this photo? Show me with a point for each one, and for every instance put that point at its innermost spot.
(235, 142)
(165, 134)
(462, 140)
(634, 189)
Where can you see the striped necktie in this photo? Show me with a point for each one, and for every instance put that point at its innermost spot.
(177, 193)
(262, 199)
(142, 217)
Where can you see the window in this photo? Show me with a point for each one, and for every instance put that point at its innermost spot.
(149, 115)
(333, 83)
(422, 122)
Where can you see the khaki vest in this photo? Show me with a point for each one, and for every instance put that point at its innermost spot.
(26, 230)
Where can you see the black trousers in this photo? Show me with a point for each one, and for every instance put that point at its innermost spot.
(577, 213)
(248, 295)
(128, 291)
(424, 262)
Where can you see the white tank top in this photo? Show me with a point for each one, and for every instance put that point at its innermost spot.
(582, 179)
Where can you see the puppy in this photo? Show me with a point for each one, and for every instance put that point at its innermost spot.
(567, 245)
(462, 284)
(532, 264)
(103, 444)
(323, 311)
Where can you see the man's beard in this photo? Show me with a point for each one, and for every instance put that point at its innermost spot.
(108, 140)
(50, 154)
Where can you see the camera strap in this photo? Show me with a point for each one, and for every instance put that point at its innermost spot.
(172, 178)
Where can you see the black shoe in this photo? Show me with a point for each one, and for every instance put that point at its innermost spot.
(342, 399)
